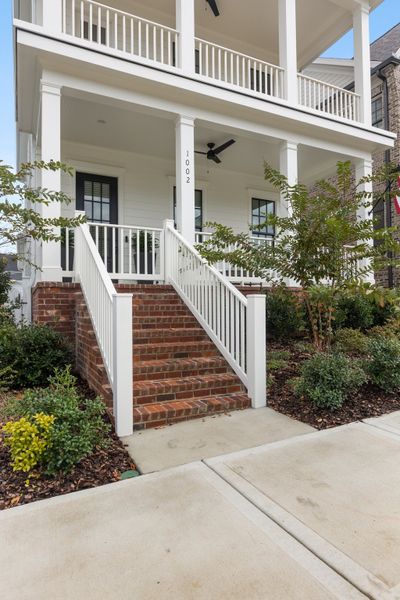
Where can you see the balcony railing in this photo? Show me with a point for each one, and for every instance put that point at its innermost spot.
(119, 30)
(237, 69)
(326, 98)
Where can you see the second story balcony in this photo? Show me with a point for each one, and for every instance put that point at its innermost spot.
(257, 48)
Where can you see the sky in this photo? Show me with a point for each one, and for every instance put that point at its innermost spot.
(383, 18)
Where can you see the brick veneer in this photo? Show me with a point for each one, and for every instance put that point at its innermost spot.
(62, 306)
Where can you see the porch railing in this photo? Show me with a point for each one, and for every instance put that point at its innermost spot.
(119, 30)
(327, 98)
(111, 316)
(235, 323)
(237, 69)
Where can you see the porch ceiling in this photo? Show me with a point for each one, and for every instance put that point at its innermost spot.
(149, 134)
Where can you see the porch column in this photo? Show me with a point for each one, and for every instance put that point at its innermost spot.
(52, 16)
(288, 48)
(185, 177)
(362, 60)
(186, 29)
(364, 169)
(288, 166)
(51, 180)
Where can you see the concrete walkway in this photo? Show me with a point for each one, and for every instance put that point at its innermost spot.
(158, 449)
(316, 516)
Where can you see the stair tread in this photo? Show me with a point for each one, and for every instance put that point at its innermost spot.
(190, 380)
(200, 360)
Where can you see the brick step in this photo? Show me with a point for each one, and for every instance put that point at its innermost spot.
(175, 334)
(156, 322)
(144, 287)
(169, 299)
(167, 350)
(179, 367)
(166, 390)
(156, 415)
(160, 311)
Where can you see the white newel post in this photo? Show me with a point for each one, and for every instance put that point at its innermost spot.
(122, 364)
(362, 60)
(288, 166)
(51, 150)
(288, 48)
(52, 16)
(364, 169)
(185, 27)
(185, 178)
(256, 353)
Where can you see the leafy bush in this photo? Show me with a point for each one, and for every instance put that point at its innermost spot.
(328, 379)
(383, 366)
(78, 427)
(284, 317)
(353, 311)
(28, 439)
(391, 329)
(351, 340)
(32, 352)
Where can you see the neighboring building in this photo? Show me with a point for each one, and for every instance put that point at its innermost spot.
(167, 112)
(385, 101)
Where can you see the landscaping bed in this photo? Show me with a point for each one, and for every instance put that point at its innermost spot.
(368, 401)
(104, 465)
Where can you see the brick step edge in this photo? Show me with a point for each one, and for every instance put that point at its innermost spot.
(179, 367)
(157, 415)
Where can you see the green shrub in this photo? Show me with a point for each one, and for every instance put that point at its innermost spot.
(328, 379)
(351, 341)
(391, 329)
(353, 311)
(383, 366)
(28, 440)
(32, 352)
(78, 427)
(284, 316)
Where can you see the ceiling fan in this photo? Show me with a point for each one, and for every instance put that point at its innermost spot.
(212, 153)
(214, 7)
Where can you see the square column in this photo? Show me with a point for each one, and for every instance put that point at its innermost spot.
(288, 166)
(364, 169)
(52, 16)
(186, 29)
(51, 180)
(362, 61)
(185, 178)
(288, 48)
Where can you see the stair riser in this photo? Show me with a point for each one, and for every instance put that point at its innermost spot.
(154, 337)
(186, 395)
(174, 322)
(160, 354)
(182, 373)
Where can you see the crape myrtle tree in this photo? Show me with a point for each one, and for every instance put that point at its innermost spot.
(20, 214)
(321, 245)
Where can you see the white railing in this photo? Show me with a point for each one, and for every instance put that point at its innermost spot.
(236, 324)
(327, 98)
(237, 69)
(234, 273)
(121, 31)
(128, 252)
(111, 316)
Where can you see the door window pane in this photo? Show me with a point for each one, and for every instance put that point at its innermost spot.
(260, 209)
(198, 209)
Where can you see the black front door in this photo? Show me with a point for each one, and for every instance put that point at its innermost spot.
(98, 197)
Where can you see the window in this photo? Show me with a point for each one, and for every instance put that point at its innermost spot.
(377, 112)
(198, 209)
(259, 210)
(97, 196)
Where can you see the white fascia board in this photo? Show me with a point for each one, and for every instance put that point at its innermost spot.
(308, 127)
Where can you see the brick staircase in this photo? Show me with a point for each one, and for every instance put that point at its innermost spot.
(178, 373)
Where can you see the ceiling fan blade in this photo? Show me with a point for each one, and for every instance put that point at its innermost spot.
(214, 158)
(224, 146)
(199, 152)
(214, 7)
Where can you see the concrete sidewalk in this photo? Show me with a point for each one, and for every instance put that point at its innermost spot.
(157, 449)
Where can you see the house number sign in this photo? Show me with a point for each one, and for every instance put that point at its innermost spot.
(188, 169)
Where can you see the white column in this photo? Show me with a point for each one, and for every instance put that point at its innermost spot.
(185, 177)
(364, 169)
(288, 47)
(362, 61)
(51, 180)
(122, 364)
(256, 358)
(288, 166)
(186, 28)
(52, 16)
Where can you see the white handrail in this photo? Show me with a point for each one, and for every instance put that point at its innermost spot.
(328, 98)
(227, 316)
(238, 69)
(111, 316)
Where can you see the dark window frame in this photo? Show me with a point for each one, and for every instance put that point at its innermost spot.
(377, 113)
(197, 191)
(262, 233)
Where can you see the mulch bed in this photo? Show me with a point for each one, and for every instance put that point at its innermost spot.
(368, 402)
(104, 466)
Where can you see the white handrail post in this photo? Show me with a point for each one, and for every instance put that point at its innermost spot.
(256, 353)
(122, 364)
(167, 224)
(52, 16)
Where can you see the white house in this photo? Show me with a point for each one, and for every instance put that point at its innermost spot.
(167, 110)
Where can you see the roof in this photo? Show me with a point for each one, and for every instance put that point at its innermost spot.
(387, 45)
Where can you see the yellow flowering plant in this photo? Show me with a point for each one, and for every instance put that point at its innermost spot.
(27, 439)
